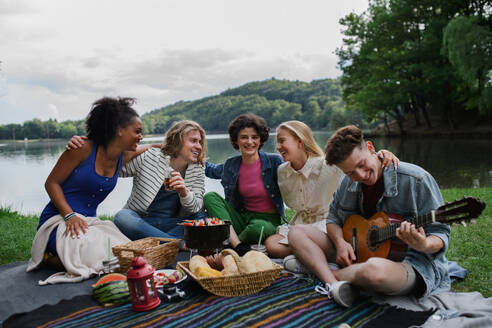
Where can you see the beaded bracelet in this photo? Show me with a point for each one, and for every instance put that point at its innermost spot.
(68, 216)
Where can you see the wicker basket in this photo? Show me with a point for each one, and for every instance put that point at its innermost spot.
(237, 285)
(158, 255)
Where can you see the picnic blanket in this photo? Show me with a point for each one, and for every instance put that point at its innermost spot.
(289, 302)
(20, 292)
(461, 310)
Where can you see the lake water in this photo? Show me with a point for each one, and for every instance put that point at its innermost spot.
(25, 166)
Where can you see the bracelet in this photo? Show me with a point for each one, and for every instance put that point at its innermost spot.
(68, 216)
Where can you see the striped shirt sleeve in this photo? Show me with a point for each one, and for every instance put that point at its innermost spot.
(130, 169)
(195, 182)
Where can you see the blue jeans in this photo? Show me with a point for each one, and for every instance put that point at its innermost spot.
(135, 227)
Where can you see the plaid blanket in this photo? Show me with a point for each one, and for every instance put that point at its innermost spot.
(288, 302)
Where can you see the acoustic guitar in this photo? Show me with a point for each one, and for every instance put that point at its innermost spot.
(375, 237)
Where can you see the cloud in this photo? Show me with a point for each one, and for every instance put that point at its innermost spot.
(70, 85)
(15, 8)
(210, 71)
(59, 56)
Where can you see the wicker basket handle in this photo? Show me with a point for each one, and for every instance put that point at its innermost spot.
(135, 252)
(168, 239)
(236, 258)
(120, 248)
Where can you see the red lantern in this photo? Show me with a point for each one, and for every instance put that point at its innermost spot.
(140, 279)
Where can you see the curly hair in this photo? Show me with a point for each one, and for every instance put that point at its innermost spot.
(174, 139)
(106, 115)
(248, 121)
(342, 143)
(302, 132)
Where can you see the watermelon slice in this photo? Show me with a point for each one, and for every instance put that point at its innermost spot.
(109, 277)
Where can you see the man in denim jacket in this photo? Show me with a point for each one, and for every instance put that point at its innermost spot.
(366, 188)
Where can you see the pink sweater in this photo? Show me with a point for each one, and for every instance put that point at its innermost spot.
(252, 190)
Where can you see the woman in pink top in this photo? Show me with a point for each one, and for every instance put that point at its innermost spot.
(252, 197)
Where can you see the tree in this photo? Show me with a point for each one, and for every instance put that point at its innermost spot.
(33, 129)
(67, 130)
(467, 43)
(392, 62)
(275, 100)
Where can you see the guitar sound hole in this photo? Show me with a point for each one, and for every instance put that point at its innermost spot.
(371, 238)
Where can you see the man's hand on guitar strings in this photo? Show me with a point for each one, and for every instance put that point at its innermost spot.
(345, 254)
(412, 236)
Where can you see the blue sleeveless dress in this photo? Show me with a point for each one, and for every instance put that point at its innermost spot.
(84, 190)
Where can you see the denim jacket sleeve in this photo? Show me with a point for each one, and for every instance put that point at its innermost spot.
(430, 198)
(271, 182)
(214, 171)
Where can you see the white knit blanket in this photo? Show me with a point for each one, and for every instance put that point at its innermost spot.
(81, 256)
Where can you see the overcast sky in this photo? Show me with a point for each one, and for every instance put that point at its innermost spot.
(59, 56)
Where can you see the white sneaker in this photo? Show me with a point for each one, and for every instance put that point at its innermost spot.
(342, 292)
(292, 264)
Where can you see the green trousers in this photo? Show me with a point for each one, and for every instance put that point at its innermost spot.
(247, 224)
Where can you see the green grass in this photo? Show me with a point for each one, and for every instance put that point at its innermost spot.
(16, 234)
(471, 247)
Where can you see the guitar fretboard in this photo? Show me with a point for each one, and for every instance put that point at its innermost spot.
(389, 231)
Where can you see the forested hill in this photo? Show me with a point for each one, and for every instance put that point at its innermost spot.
(318, 103)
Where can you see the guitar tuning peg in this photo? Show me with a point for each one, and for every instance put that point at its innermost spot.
(463, 223)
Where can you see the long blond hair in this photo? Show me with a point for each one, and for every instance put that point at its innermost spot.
(302, 132)
(174, 138)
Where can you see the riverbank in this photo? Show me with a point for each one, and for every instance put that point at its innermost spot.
(470, 246)
(467, 125)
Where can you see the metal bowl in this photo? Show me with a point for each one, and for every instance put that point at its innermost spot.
(206, 237)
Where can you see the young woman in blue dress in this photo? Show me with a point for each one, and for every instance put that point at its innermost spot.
(83, 177)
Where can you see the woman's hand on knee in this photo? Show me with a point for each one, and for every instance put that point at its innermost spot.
(74, 225)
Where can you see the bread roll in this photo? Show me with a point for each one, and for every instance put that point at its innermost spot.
(198, 261)
(230, 267)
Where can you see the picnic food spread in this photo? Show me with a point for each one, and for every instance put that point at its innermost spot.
(238, 276)
(233, 264)
(203, 222)
(252, 261)
(163, 277)
(201, 269)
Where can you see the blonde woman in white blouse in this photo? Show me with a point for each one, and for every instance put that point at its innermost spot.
(306, 182)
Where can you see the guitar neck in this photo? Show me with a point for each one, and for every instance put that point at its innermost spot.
(462, 210)
(389, 231)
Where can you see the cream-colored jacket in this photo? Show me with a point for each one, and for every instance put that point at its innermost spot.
(308, 191)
